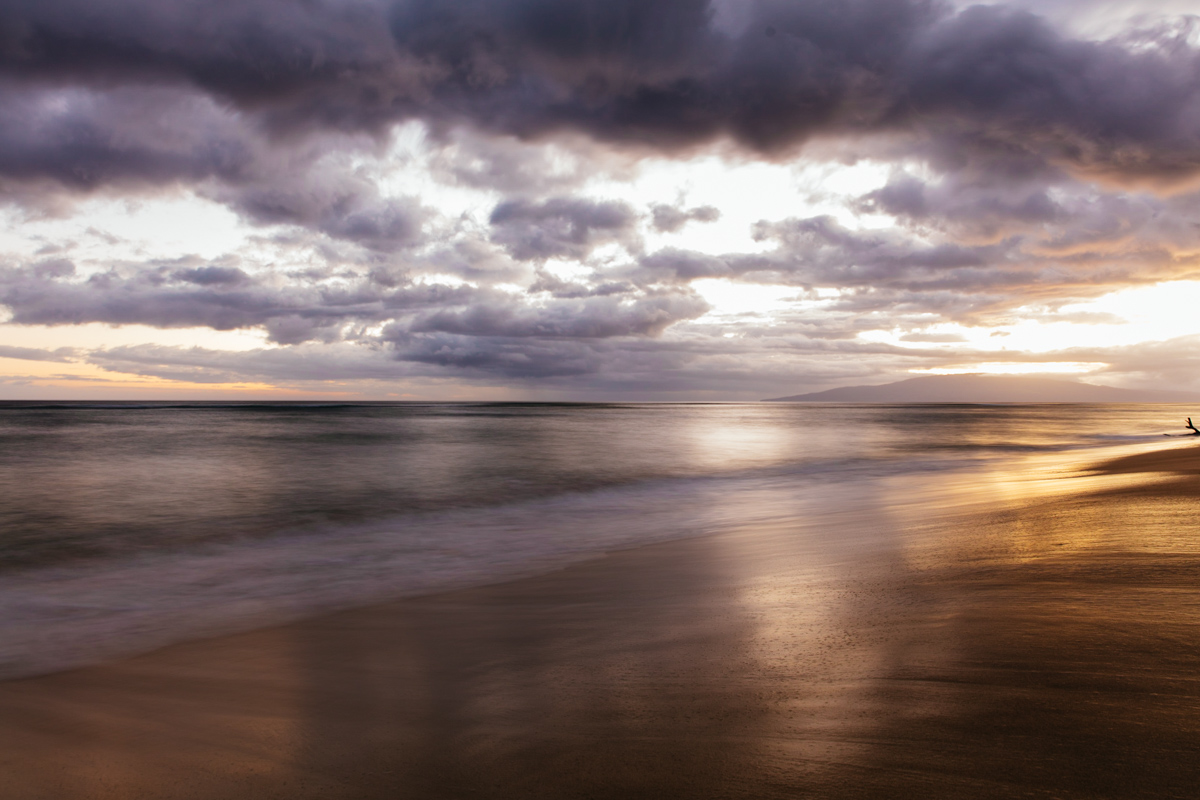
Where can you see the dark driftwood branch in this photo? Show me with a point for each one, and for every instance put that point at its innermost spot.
(1195, 431)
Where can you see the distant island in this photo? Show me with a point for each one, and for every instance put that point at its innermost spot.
(986, 389)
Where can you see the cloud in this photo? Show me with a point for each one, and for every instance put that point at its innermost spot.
(820, 252)
(212, 276)
(590, 318)
(670, 219)
(306, 364)
(82, 138)
(62, 354)
(1055, 215)
(218, 297)
(1174, 363)
(330, 307)
(562, 227)
(330, 198)
(466, 157)
(974, 83)
(685, 362)
(57, 142)
(933, 338)
(569, 368)
(1097, 243)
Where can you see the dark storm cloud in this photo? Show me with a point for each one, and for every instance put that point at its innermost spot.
(122, 136)
(561, 227)
(665, 75)
(249, 52)
(1000, 80)
(71, 139)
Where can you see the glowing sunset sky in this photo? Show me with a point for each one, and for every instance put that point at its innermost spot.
(593, 199)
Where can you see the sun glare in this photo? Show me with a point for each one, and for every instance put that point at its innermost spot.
(1123, 318)
(730, 300)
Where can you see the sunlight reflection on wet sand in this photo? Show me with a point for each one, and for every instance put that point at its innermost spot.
(982, 634)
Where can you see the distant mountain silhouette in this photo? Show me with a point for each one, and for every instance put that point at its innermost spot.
(987, 389)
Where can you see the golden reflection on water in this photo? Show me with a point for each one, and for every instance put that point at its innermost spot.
(984, 634)
(747, 436)
(981, 514)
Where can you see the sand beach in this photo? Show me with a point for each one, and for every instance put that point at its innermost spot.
(1043, 647)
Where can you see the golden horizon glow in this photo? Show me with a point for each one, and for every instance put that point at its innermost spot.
(1121, 318)
(1014, 368)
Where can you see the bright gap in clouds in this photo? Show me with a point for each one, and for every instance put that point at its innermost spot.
(1126, 317)
(106, 230)
(99, 335)
(733, 302)
(73, 342)
(1163, 311)
(1101, 19)
(745, 193)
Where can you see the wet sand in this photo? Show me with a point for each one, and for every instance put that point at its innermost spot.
(1176, 460)
(1044, 648)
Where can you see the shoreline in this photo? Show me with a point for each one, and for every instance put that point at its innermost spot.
(1175, 460)
(1043, 646)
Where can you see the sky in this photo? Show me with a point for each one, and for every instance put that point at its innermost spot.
(593, 199)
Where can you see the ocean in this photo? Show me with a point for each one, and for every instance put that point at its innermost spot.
(127, 526)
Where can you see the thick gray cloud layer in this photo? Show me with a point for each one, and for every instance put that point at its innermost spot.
(979, 82)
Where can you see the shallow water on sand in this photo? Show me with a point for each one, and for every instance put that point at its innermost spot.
(124, 527)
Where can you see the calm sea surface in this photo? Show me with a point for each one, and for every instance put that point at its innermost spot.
(124, 526)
